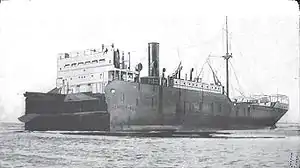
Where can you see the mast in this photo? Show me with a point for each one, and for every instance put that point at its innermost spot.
(227, 57)
(298, 2)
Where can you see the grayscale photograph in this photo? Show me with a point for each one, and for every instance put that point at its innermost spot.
(148, 84)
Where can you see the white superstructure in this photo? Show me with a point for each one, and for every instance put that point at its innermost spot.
(198, 86)
(90, 70)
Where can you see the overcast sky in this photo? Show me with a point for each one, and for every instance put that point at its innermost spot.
(263, 35)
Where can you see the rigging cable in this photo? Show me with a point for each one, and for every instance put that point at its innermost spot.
(237, 79)
(201, 70)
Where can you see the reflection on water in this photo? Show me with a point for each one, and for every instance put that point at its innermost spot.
(50, 149)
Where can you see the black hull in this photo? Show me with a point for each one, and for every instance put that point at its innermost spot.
(58, 112)
(196, 122)
(134, 104)
(142, 105)
(76, 122)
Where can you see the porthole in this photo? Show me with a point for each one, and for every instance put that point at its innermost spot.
(112, 91)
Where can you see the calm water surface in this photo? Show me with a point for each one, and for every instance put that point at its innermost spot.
(50, 149)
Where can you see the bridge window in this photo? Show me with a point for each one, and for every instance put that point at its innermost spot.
(67, 65)
(95, 61)
(101, 59)
(73, 64)
(111, 75)
(123, 75)
(117, 75)
(130, 75)
(80, 63)
(87, 62)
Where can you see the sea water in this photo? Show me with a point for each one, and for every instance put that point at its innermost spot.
(253, 148)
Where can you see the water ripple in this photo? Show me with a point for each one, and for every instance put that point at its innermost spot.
(50, 149)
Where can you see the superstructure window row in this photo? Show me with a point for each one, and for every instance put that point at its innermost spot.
(201, 86)
(84, 63)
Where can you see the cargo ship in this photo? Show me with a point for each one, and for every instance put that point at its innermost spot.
(98, 90)
(173, 102)
(186, 104)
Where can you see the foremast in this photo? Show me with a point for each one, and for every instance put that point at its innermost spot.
(227, 57)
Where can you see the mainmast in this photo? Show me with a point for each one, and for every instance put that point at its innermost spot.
(227, 57)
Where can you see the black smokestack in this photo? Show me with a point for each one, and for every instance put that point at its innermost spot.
(153, 59)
